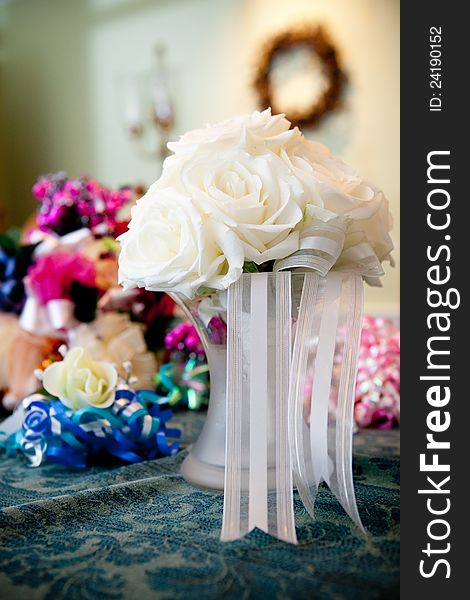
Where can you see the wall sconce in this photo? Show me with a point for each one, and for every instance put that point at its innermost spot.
(147, 107)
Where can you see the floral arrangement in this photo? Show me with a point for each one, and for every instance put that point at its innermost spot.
(249, 194)
(60, 285)
(70, 204)
(85, 413)
(246, 195)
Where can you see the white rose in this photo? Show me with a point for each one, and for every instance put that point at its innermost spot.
(256, 132)
(257, 197)
(172, 246)
(337, 187)
(331, 183)
(79, 381)
(371, 227)
(253, 189)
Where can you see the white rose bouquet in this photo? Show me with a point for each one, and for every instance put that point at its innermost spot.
(246, 195)
(251, 193)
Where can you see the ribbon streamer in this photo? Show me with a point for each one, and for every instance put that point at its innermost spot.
(258, 473)
(341, 481)
(322, 438)
(279, 427)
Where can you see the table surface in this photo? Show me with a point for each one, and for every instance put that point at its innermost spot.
(140, 531)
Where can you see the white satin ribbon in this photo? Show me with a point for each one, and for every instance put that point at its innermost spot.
(231, 526)
(322, 374)
(258, 462)
(258, 473)
(342, 419)
(47, 319)
(271, 426)
(55, 243)
(328, 325)
(325, 245)
(320, 246)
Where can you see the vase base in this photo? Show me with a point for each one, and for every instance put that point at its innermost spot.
(202, 474)
(212, 477)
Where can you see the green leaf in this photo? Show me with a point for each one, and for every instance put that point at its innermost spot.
(250, 267)
(111, 245)
(7, 244)
(204, 292)
(14, 233)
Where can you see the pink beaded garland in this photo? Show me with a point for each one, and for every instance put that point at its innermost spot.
(378, 380)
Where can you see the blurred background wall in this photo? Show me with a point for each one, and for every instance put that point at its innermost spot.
(61, 62)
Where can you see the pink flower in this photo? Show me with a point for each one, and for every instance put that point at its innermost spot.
(52, 275)
(69, 204)
(71, 188)
(40, 188)
(184, 337)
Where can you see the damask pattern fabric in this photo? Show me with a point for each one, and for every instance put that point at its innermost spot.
(140, 531)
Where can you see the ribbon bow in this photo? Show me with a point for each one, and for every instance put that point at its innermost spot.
(184, 382)
(128, 430)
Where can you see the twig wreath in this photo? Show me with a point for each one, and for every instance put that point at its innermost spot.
(317, 42)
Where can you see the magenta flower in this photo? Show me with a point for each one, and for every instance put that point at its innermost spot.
(70, 204)
(52, 276)
(184, 337)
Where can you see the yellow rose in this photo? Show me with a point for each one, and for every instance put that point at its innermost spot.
(79, 381)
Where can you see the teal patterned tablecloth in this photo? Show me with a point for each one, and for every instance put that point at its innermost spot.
(142, 532)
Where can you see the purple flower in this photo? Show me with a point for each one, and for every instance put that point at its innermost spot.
(70, 204)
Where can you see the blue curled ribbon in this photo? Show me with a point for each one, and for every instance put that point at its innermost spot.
(14, 263)
(133, 429)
